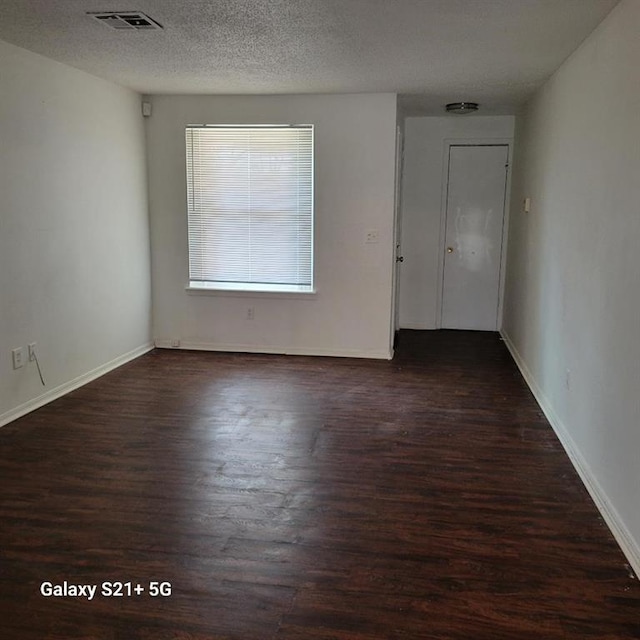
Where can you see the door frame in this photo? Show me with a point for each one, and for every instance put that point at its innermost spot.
(473, 142)
(397, 233)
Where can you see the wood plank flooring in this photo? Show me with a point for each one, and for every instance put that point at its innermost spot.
(306, 498)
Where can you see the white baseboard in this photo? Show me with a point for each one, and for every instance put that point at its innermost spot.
(63, 389)
(417, 326)
(628, 544)
(288, 351)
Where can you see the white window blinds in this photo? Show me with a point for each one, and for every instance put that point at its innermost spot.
(250, 207)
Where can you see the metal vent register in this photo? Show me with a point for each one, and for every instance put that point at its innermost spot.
(129, 20)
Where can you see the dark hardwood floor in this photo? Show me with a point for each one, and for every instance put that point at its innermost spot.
(306, 498)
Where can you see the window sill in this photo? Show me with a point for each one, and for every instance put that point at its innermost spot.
(246, 293)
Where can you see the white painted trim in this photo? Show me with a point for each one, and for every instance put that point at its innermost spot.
(247, 293)
(63, 389)
(628, 545)
(418, 326)
(505, 235)
(397, 236)
(190, 345)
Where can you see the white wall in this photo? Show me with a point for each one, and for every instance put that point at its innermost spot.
(572, 310)
(354, 188)
(74, 245)
(425, 161)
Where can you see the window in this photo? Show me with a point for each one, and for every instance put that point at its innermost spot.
(250, 207)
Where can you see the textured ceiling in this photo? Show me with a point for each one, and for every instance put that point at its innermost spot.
(432, 51)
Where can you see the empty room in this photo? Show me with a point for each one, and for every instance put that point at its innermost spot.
(319, 320)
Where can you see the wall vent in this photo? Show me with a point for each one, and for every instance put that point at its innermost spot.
(126, 20)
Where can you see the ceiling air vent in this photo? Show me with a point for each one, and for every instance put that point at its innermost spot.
(129, 20)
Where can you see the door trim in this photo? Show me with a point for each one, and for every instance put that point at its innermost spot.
(397, 235)
(444, 193)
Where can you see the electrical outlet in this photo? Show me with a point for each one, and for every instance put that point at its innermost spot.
(32, 351)
(371, 236)
(18, 357)
(175, 343)
(250, 313)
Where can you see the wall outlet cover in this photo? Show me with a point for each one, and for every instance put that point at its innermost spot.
(372, 236)
(18, 357)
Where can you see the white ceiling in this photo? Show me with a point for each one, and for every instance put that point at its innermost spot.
(495, 52)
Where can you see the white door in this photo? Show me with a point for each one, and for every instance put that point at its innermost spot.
(476, 192)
